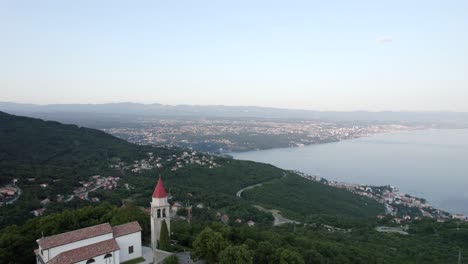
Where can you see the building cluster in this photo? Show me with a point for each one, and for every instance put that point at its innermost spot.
(8, 193)
(174, 162)
(96, 182)
(82, 192)
(225, 219)
(230, 134)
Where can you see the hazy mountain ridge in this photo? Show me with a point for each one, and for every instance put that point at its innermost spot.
(126, 111)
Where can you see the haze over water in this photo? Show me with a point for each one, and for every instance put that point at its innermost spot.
(432, 164)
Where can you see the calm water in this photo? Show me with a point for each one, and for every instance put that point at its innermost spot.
(432, 164)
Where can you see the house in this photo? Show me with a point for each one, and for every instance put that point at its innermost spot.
(381, 216)
(459, 217)
(225, 218)
(250, 223)
(95, 244)
(38, 212)
(9, 191)
(45, 201)
(175, 207)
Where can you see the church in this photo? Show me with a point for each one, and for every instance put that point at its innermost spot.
(106, 244)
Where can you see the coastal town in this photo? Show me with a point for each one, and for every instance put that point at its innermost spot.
(399, 206)
(221, 136)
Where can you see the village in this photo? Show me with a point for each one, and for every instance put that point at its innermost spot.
(10, 193)
(175, 162)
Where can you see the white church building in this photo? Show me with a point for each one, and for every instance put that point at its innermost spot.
(99, 244)
(104, 244)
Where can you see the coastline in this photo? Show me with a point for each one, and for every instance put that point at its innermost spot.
(304, 160)
(335, 141)
(392, 199)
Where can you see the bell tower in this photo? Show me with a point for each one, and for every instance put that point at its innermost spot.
(159, 213)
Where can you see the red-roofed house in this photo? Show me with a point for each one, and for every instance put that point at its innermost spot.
(95, 244)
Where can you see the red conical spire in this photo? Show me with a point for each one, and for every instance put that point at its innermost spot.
(159, 191)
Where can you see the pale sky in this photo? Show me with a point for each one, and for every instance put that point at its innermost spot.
(322, 55)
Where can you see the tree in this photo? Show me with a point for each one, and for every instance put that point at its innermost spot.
(164, 237)
(209, 244)
(236, 254)
(264, 252)
(287, 256)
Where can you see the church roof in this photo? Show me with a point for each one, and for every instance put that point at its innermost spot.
(73, 236)
(86, 252)
(159, 191)
(125, 229)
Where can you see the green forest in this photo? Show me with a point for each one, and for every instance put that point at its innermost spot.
(428, 242)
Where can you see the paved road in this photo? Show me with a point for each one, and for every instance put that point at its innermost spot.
(279, 219)
(185, 258)
(69, 199)
(239, 193)
(85, 193)
(17, 195)
(92, 190)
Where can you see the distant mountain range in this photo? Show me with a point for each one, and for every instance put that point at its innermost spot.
(106, 115)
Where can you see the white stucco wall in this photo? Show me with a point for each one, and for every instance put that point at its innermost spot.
(52, 252)
(101, 260)
(159, 201)
(125, 242)
(156, 222)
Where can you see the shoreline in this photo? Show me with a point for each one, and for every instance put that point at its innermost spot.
(296, 163)
(230, 153)
(391, 198)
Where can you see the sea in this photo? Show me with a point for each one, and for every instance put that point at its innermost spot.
(431, 164)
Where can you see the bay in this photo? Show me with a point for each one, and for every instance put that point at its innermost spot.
(432, 164)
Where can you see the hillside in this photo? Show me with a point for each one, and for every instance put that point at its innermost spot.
(37, 152)
(307, 200)
(63, 155)
(56, 154)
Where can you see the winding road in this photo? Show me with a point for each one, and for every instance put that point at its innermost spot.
(17, 195)
(279, 219)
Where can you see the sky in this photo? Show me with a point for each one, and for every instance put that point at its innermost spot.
(321, 55)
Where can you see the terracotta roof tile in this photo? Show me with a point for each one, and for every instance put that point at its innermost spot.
(125, 229)
(73, 236)
(86, 252)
